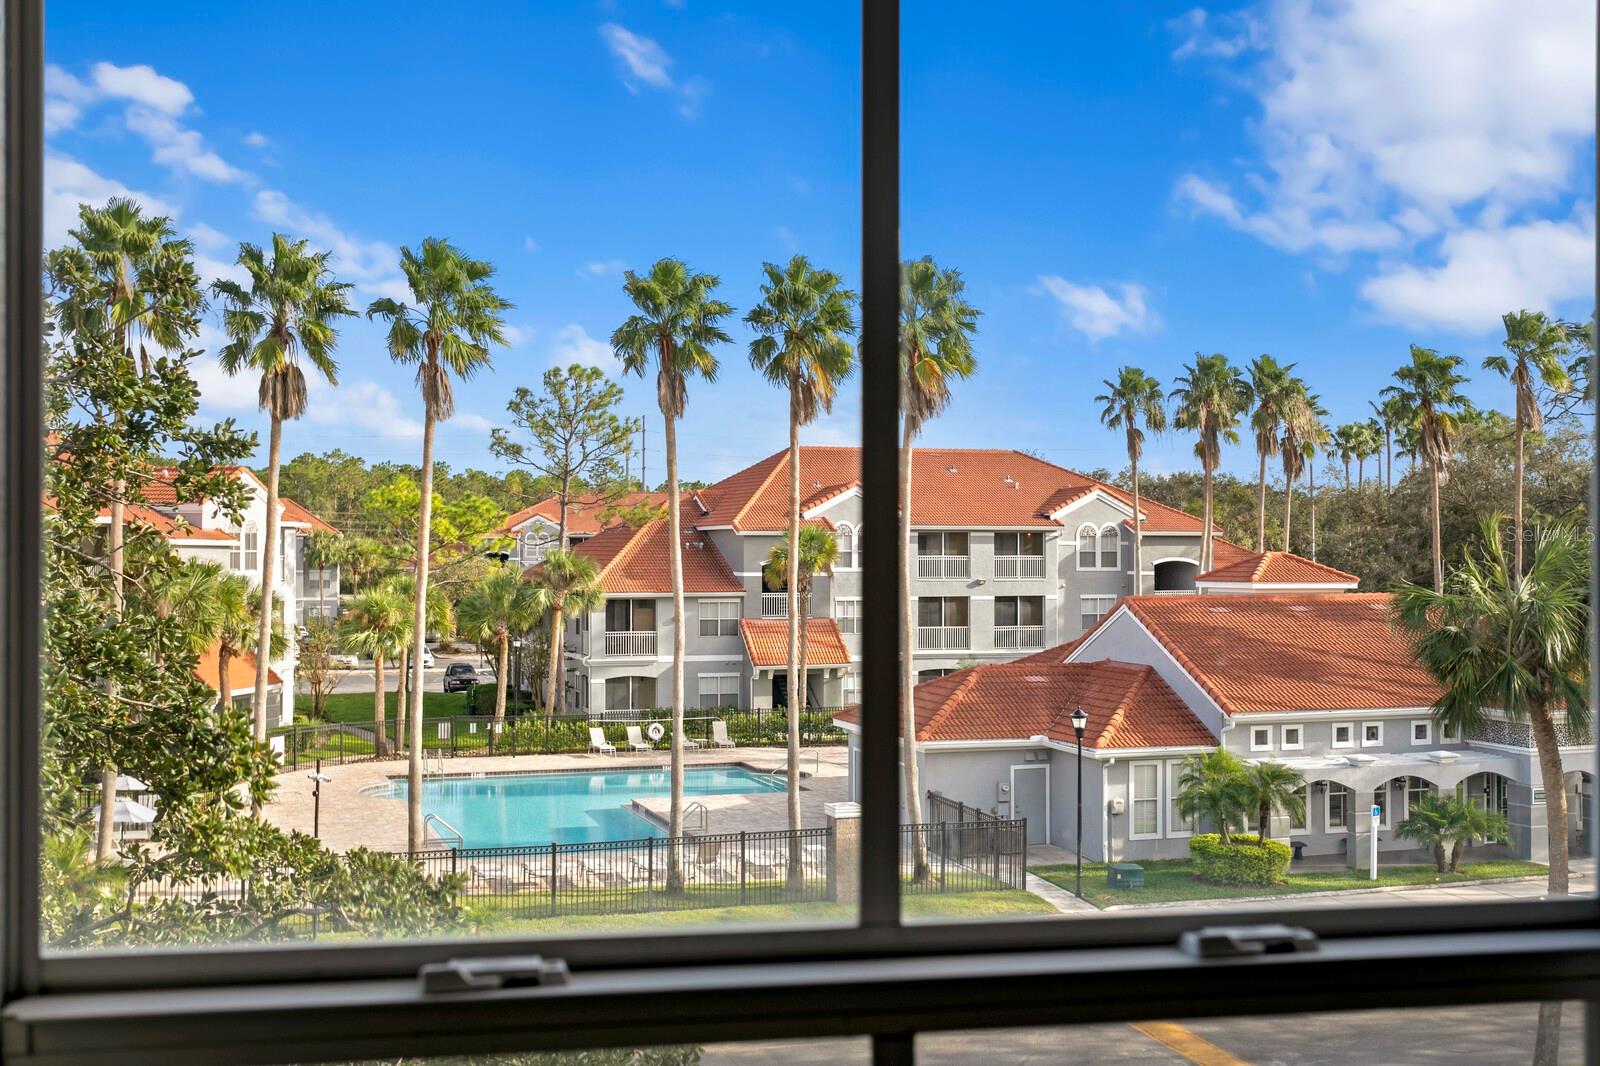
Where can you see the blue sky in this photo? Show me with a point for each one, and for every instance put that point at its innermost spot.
(1120, 183)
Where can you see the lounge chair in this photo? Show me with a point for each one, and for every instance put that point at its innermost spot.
(705, 863)
(599, 743)
(636, 741)
(719, 734)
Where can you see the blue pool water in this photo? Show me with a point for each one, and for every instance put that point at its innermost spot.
(514, 809)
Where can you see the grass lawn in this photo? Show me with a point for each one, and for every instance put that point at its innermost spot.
(1169, 880)
(357, 706)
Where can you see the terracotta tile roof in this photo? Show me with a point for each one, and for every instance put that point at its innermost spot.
(639, 560)
(161, 487)
(766, 640)
(585, 511)
(241, 671)
(294, 512)
(169, 527)
(1129, 706)
(950, 487)
(1295, 652)
(1277, 568)
(1226, 553)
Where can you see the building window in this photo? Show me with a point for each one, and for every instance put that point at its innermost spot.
(630, 693)
(630, 616)
(1261, 738)
(1293, 738)
(719, 690)
(1447, 733)
(719, 618)
(1344, 735)
(1416, 788)
(847, 559)
(1338, 813)
(1088, 547)
(1371, 734)
(942, 623)
(847, 613)
(1093, 608)
(850, 689)
(1110, 548)
(1422, 732)
(1144, 790)
(933, 674)
(1025, 543)
(1178, 825)
(248, 556)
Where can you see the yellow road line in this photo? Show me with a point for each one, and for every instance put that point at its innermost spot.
(1191, 1045)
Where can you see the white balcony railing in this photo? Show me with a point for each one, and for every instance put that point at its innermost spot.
(635, 643)
(1018, 566)
(944, 638)
(1019, 636)
(774, 605)
(944, 566)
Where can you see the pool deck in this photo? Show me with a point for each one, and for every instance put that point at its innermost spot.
(351, 819)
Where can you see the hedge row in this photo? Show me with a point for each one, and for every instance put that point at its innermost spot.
(1245, 860)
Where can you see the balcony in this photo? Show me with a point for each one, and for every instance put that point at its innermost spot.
(1019, 636)
(774, 605)
(944, 638)
(944, 566)
(631, 644)
(1014, 567)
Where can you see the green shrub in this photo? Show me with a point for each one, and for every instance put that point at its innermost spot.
(1244, 861)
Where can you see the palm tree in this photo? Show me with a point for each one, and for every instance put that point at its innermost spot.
(324, 550)
(374, 625)
(190, 595)
(448, 329)
(1389, 416)
(1211, 786)
(677, 325)
(1208, 399)
(1428, 393)
(1369, 445)
(1317, 440)
(1537, 349)
(1302, 420)
(440, 618)
(1518, 647)
(288, 310)
(817, 551)
(803, 325)
(936, 329)
(1273, 388)
(1268, 787)
(503, 605)
(567, 581)
(1443, 825)
(1133, 404)
(1344, 444)
(129, 276)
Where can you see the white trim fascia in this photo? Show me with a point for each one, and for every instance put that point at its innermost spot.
(1277, 586)
(1095, 493)
(1105, 623)
(742, 533)
(1314, 715)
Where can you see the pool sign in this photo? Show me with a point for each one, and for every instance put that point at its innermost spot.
(655, 731)
(1377, 817)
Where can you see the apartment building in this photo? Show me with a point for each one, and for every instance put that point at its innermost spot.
(534, 529)
(1011, 555)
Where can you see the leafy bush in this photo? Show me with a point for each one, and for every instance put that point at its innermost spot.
(1247, 860)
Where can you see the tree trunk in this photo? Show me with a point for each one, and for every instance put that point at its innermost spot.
(1361, 472)
(558, 661)
(1311, 480)
(402, 698)
(1288, 507)
(1205, 531)
(675, 554)
(797, 695)
(1547, 1037)
(104, 845)
(553, 670)
(268, 558)
(796, 879)
(1552, 777)
(1263, 825)
(1261, 505)
(920, 870)
(502, 664)
(1456, 851)
(224, 682)
(1440, 863)
(1388, 461)
(1138, 531)
(419, 636)
(380, 727)
(1433, 517)
(1516, 506)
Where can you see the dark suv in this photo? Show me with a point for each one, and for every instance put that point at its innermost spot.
(458, 677)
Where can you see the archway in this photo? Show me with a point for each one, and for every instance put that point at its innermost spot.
(1176, 575)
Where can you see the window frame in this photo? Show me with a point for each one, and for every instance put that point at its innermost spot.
(1333, 735)
(1427, 731)
(700, 691)
(1299, 742)
(1135, 798)
(1267, 746)
(1375, 743)
(840, 618)
(718, 619)
(230, 1004)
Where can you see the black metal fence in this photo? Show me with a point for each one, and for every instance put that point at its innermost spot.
(973, 856)
(942, 808)
(533, 734)
(629, 876)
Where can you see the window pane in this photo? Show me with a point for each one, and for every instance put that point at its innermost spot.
(504, 762)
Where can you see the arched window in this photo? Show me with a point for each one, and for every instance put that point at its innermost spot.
(1087, 547)
(1110, 548)
(846, 537)
(532, 546)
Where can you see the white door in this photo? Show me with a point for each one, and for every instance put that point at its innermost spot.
(1030, 799)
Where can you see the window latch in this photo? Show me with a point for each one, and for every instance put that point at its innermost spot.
(487, 974)
(1236, 941)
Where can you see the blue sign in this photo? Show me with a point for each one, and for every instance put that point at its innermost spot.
(1377, 812)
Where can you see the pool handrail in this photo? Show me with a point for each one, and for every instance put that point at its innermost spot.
(434, 822)
(816, 763)
(704, 813)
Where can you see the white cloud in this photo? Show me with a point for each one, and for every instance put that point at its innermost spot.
(142, 85)
(517, 336)
(372, 266)
(1099, 314)
(1483, 272)
(599, 268)
(470, 421)
(256, 139)
(574, 345)
(220, 391)
(65, 97)
(361, 405)
(68, 183)
(529, 244)
(1384, 124)
(645, 60)
(175, 145)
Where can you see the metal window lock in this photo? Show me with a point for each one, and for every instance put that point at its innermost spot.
(1236, 941)
(482, 975)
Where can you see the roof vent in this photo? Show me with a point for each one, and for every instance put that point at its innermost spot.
(951, 468)
(816, 484)
(1037, 679)
(1217, 610)
(1376, 607)
(1299, 608)
(1013, 482)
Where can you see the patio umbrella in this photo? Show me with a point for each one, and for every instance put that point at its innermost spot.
(127, 810)
(128, 783)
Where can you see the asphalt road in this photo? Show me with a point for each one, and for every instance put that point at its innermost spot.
(361, 680)
(1459, 1036)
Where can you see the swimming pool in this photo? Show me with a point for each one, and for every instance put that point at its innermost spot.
(506, 810)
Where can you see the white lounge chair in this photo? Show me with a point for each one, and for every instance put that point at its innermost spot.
(599, 743)
(705, 863)
(636, 741)
(719, 734)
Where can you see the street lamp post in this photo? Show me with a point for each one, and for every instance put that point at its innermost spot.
(1079, 722)
(317, 778)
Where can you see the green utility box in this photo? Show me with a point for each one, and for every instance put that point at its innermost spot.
(1125, 875)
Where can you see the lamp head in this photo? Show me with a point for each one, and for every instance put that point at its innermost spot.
(1080, 721)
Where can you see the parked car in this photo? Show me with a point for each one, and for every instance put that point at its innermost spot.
(427, 657)
(344, 661)
(458, 677)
